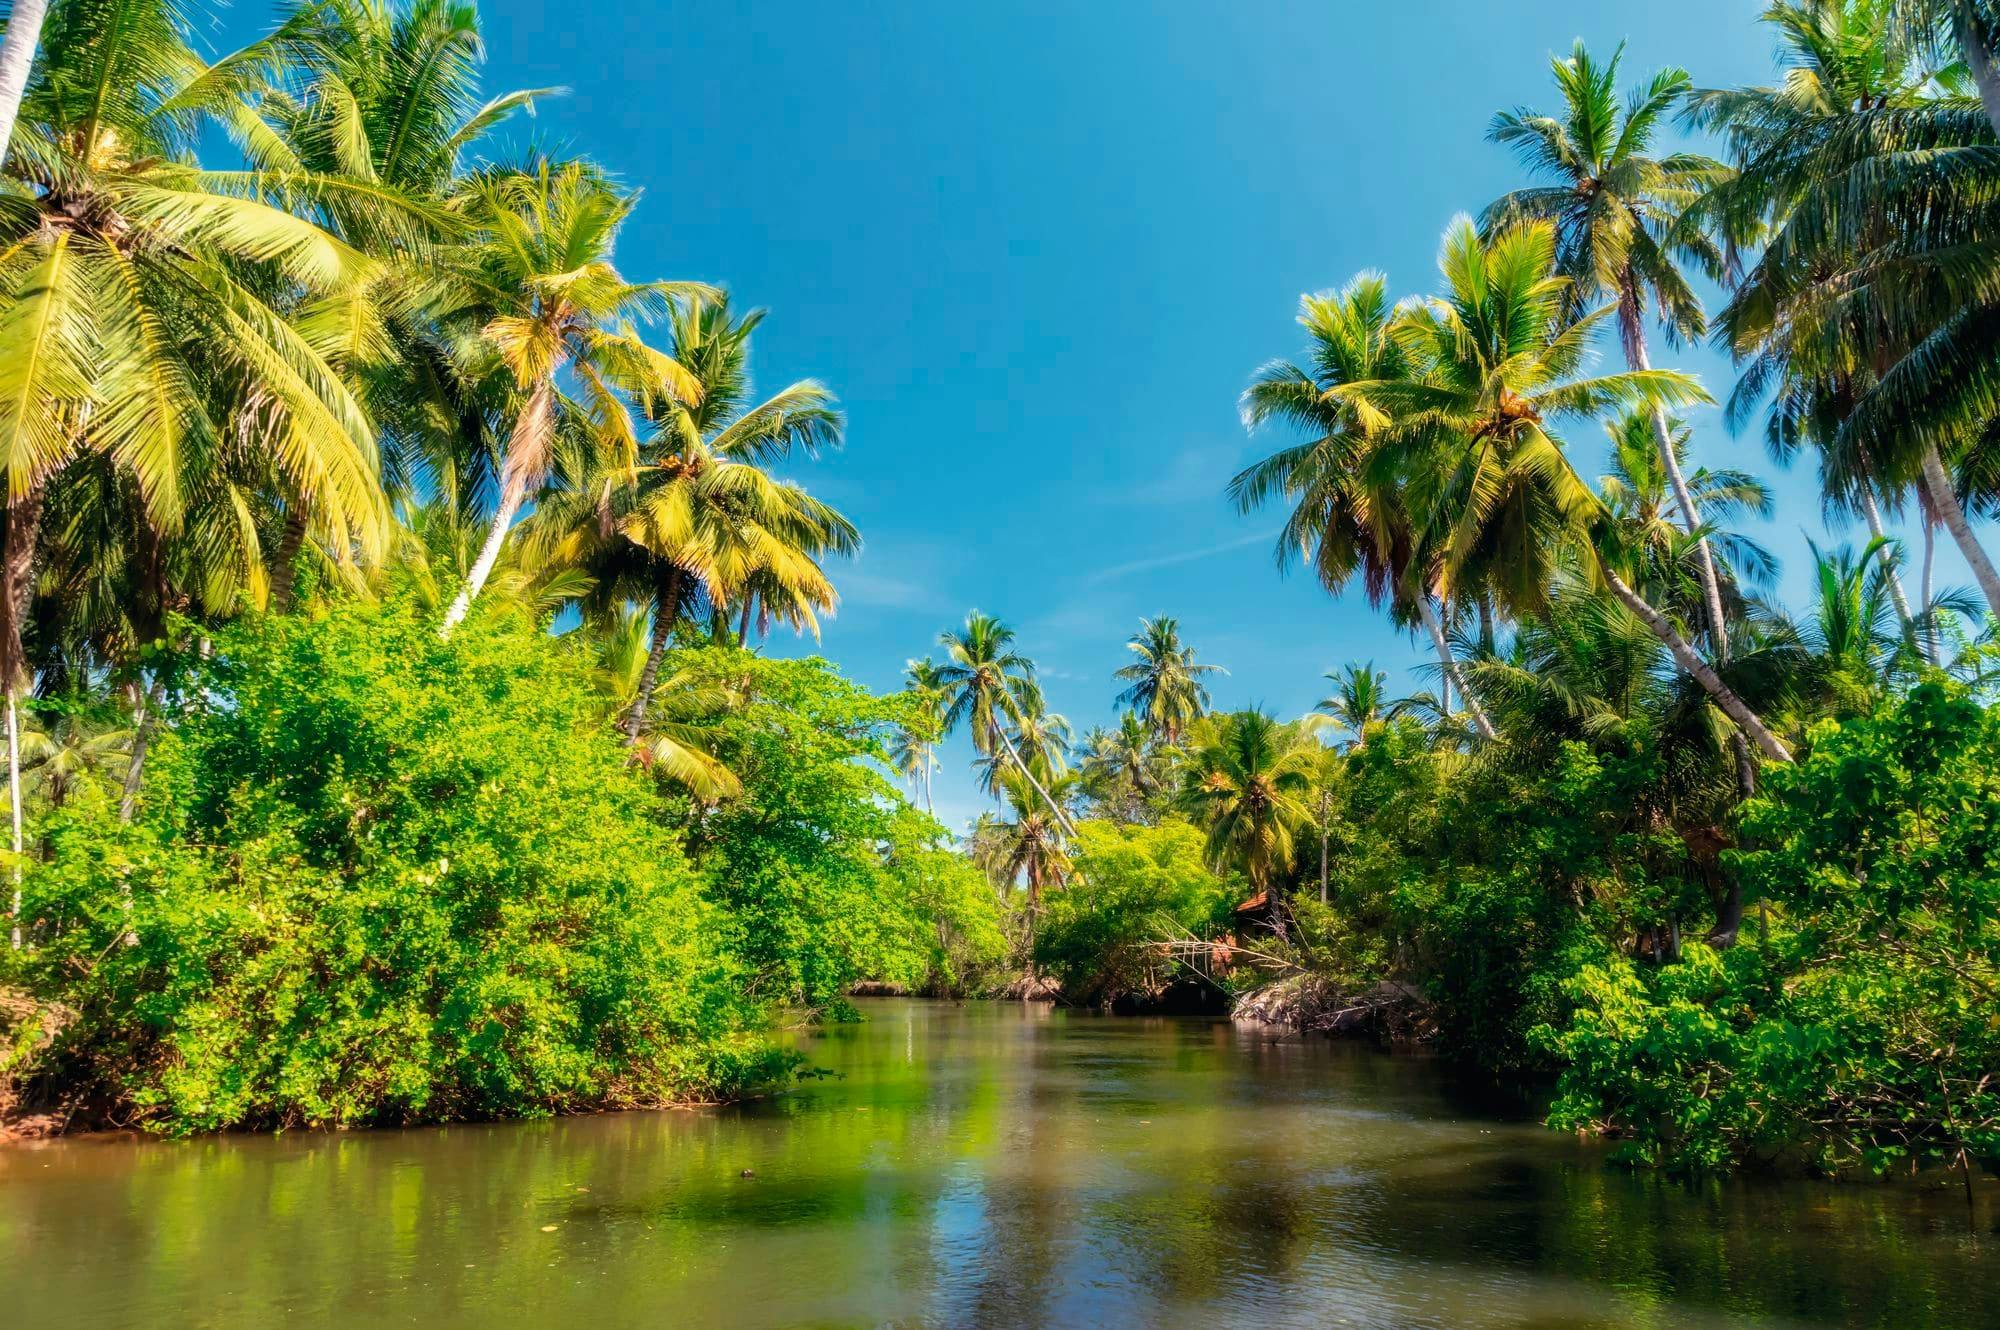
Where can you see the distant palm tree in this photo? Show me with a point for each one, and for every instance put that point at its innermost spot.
(1359, 699)
(1166, 688)
(1249, 783)
(985, 683)
(1120, 767)
(1030, 847)
(913, 748)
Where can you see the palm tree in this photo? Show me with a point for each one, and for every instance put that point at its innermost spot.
(1029, 848)
(1863, 306)
(1844, 62)
(1635, 494)
(1347, 515)
(913, 748)
(1166, 687)
(1358, 700)
(700, 514)
(1120, 767)
(1498, 501)
(985, 684)
(132, 324)
(1619, 230)
(1249, 782)
(556, 309)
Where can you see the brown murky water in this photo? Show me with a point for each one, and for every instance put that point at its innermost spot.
(978, 1165)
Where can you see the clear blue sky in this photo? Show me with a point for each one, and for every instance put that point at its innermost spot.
(1038, 249)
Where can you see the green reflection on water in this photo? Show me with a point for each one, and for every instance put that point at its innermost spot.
(978, 1165)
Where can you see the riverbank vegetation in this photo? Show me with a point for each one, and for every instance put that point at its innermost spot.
(382, 579)
(384, 572)
(1724, 867)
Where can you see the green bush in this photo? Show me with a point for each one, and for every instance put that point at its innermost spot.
(1133, 886)
(1857, 1028)
(825, 875)
(382, 878)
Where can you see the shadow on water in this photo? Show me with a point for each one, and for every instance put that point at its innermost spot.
(983, 1165)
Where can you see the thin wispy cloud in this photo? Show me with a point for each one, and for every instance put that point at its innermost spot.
(1119, 570)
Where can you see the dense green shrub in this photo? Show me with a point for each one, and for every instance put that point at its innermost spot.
(381, 877)
(1133, 887)
(825, 875)
(1858, 1028)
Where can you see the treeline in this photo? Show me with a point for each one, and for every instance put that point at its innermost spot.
(1726, 868)
(381, 572)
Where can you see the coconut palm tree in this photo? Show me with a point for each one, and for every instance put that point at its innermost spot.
(1635, 493)
(1029, 847)
(700, 514)
(555, 310)
(134, 323)
(1359, 699)
(1865, 311)
(1498, 502)
(1165, 681)
(986, 684)
(913, 747)
(1619, 230)
(1120, 767)
(1249, 782)
(1346, 512)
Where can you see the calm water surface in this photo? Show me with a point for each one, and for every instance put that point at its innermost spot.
(977, 1165)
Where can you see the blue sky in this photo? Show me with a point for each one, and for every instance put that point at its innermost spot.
(1039, 248)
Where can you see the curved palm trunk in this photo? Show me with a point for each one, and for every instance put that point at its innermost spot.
(17, 58)
(1945, 500)
(1663, 440)
(666, 609)
(1451, 674)
(1690, 660)
(1876, 531)
(530, 434)
(1022, 767)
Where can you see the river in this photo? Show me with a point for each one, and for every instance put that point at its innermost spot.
(978, 1164)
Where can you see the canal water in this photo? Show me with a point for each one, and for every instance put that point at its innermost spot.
(979, 1164)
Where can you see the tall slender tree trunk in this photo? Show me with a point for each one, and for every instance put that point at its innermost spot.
(1886, 554)
(1428, 612)
(743, 622)
(17, 594)
(1034, 908)
(1690, 660)
(1663, 440)
(1929, 587)
(17, 58)
(143, 707)
(666, 609)
(534, 422)
(1325, 810)
(284, 568)
(14, 805)
(1978, 60)
(1945, 500)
